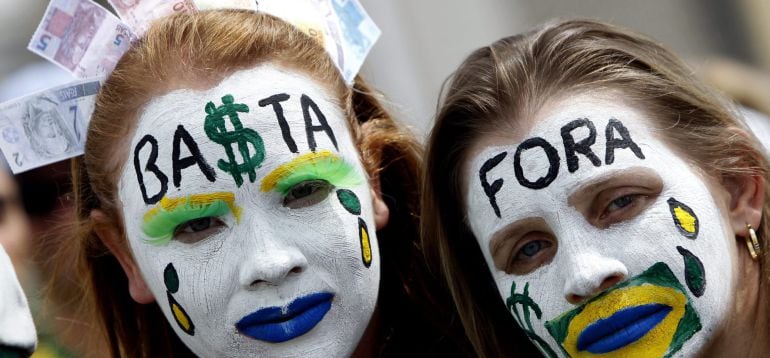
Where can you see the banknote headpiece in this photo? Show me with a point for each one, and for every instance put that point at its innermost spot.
(87, 40)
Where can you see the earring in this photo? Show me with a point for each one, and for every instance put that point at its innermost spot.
(751, 241)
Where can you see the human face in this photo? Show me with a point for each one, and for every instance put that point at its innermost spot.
(249, 215)
(17, 331)
(47, 126)
(14, 225)
(600, 238)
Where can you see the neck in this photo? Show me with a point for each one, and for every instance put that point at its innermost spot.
(371, 340)
(745, 333)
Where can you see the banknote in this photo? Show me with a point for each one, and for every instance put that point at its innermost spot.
(306, 15)
(226, 4)
(139, 14)
(342, 26)
(47, 126)
(358, 34)
(81, 37)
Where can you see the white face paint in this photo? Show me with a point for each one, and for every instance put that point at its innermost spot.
(17, 331)
(275, 266)
(610, 253)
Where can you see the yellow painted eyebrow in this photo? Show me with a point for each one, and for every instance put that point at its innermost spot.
(323, 165)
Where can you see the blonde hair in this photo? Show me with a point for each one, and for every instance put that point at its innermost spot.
(197, 51)
(510, 80)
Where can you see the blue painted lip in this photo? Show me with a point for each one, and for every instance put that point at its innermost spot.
(280, 324)
(624, 327)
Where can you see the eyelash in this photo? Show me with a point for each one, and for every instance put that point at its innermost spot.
(622, 207)
(620, 203)
(186, 233)
(520, 263)
(307, 193)
(303, 194)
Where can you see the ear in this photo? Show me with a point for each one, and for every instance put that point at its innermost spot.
(381, 210)
(747, 199)
(112, 238)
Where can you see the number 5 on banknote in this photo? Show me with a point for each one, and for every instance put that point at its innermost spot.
(81, 37)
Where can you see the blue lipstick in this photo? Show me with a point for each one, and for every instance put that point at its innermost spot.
(280, 324)
(622, 328)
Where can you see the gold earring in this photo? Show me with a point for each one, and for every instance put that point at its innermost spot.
(751, 241)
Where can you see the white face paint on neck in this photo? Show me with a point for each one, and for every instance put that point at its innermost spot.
(17, 331)
(620, 248)
(274, 255)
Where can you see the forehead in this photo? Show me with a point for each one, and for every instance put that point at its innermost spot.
(250, 86)
(290, 113)
(561, 109)
(572, 142)
(549, 121)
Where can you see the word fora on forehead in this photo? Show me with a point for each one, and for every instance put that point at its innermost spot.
(616, 137)
(243, 140)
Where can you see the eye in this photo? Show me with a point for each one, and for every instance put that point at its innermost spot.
(622, 196)
(621, 204)
(531, 251)
(198, 229)
(307, 193)
(531, 248)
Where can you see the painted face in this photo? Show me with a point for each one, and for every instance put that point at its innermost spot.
(17, 331)
(249, 215)
(600, 238)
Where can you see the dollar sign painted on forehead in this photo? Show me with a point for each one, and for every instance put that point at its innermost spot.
(250, 152)
(217, 131)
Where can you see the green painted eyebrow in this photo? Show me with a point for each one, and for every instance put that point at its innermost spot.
(161, 221)
(323, 165)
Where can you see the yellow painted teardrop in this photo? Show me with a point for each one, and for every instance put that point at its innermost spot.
(366, 246)
(685, 219)
(181, 317)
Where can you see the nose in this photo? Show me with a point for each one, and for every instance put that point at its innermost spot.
(591, 274)
(271, 265)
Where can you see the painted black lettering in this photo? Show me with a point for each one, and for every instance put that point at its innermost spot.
(553, 163)
(275, 101)
(307, 104)
(492, 189)
(624, 141)
(150, 167)
(583, 146)
(181, 135)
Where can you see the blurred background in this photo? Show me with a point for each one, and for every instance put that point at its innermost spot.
(423, 41)
(725, 42)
